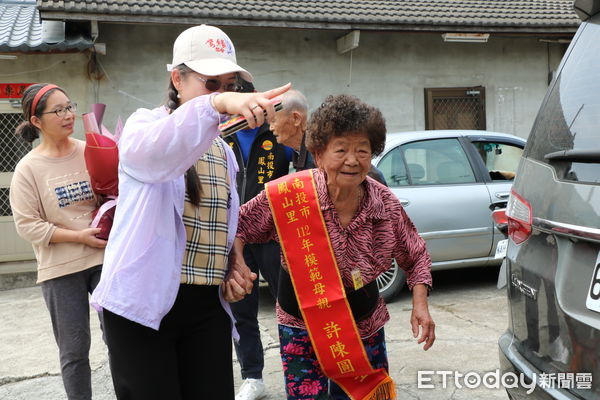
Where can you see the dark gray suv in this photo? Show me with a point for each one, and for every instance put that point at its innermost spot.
(553, 258)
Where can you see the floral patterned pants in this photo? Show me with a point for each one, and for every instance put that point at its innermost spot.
(304, 379)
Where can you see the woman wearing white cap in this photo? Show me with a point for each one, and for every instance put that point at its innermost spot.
(166, 279)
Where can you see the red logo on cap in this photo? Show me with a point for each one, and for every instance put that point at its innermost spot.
(219, 45)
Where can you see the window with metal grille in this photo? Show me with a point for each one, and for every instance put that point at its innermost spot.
(455, 108)
(5, 210)
(12, 149)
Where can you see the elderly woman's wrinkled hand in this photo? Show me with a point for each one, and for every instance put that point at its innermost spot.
(239, 281)
(250, 105)
(420, 318)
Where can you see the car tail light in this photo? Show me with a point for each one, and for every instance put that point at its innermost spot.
(519, 216)
(499, 216)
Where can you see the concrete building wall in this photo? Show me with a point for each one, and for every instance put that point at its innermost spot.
(388, 70)
(66, 70)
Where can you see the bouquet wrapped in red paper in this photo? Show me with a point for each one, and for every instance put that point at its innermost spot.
(102, 161)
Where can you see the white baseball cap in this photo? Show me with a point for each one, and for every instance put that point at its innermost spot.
(207, 50)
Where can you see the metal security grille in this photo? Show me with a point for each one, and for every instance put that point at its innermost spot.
(455, 108)
(12, 149)
(456, 113)
(5, 210)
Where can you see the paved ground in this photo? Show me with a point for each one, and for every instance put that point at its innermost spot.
(469, 311)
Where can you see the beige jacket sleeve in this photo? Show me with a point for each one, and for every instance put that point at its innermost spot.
(28, 211)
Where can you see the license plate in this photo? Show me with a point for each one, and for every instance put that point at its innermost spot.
(501, 249)
(593, 298)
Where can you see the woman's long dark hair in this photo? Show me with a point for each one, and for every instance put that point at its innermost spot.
(192, 182)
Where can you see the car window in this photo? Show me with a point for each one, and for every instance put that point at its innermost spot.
(393, 168)
(501, 159)
(438, 161)
(570, 117)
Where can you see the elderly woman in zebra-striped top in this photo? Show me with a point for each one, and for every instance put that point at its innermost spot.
(367, 227)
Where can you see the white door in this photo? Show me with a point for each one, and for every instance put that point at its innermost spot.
(12, 149)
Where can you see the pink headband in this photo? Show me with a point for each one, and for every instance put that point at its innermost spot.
(39, 95)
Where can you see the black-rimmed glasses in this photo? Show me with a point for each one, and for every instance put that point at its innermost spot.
(61, 112)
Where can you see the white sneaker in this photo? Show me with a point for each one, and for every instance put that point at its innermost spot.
(251, 389)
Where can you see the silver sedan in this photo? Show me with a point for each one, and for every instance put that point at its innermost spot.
(446, 180)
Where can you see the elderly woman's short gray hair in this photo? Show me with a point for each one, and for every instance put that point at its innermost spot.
(345, 115)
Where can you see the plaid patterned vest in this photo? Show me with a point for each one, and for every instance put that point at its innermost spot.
(205, 258)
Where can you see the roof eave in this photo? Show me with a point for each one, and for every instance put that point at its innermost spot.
(42, 49)
(179, 20)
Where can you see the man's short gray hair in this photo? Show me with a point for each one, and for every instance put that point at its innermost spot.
(294, 100)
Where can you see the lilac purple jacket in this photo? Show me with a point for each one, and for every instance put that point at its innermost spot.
(142, 262)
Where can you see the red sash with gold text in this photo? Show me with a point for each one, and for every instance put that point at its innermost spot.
(318, 286)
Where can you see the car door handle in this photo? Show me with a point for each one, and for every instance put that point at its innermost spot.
(404, 202)
(502, 195)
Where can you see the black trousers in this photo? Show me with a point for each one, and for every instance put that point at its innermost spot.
(189, 357)
(266, 259)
